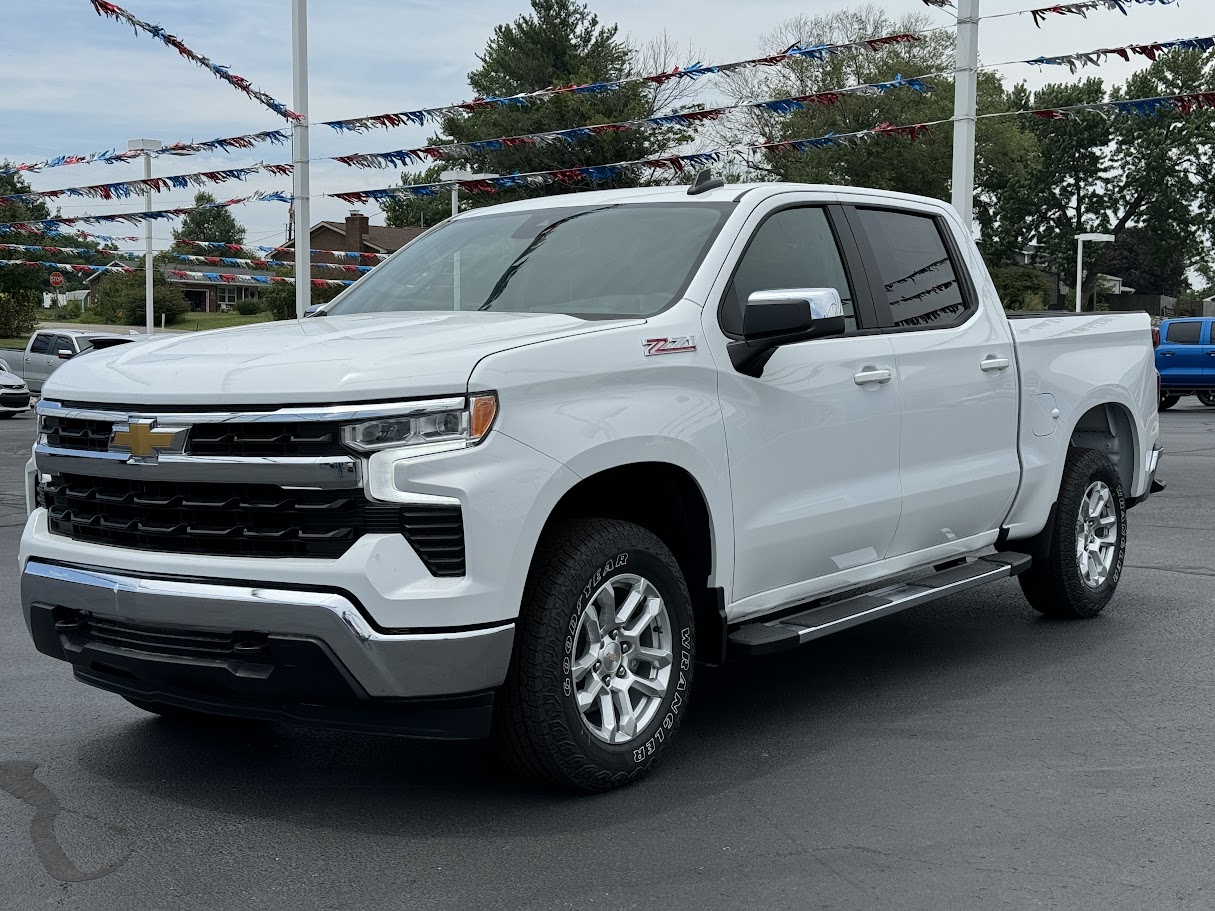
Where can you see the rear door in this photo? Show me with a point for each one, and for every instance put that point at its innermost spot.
(1181, 357)
(957, 380)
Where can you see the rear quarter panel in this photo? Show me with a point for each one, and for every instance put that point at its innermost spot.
(1081, 362)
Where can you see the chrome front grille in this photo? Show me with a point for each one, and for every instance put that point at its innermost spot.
(248, 440)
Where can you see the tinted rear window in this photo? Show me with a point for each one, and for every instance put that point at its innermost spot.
(1187, 333)
(42, 344)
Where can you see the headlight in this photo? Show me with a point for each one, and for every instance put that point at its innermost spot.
(455, 427)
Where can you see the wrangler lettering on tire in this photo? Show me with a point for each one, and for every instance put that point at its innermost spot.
(603, 661)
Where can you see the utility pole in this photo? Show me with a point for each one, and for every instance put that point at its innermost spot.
(965, 109)
(299, 144)
(147, 146)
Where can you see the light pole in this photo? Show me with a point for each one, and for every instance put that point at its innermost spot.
(147, 146)
(966, 80)
(1080, 239)
(299, 145)
(455, 210)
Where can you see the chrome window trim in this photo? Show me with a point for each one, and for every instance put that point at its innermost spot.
(340, 413)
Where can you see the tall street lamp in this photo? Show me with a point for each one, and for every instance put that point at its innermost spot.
(1080, 239)
(147, 146)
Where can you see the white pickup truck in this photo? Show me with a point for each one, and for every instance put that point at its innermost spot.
(524, 476)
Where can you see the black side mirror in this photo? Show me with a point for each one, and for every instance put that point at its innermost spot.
(776, 318)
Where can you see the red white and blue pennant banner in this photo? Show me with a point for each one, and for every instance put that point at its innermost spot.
(53, 225)
(239, 248)
(1152, 52)
(1136, 107)
(118, 14)
(609, 172)
(72, 251)
(462, 150)
(227, 144)
(264, 263)
(423, 116)
(226, 278)
(78, 268)
(1088, 6)
(126, 189)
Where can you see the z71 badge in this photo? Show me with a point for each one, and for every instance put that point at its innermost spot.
(679, 345)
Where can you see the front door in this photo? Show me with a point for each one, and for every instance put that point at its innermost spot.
(813, 442)
(957, 379)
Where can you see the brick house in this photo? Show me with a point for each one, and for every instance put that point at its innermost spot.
(355, 235)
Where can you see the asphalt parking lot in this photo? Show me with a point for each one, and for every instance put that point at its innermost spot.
(966, 755)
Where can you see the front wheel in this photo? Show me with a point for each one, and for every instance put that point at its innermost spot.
(1207, 398)
(599, 681)
(1087, 547)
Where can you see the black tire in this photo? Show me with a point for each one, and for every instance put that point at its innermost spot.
(1055, 586)
(1207, 398)
(8, 414)
(538, 726)
(1167, 402)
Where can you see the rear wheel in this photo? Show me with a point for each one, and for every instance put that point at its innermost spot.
(1167, 402)
(603, 658)
(1087, 546)
(1207, 398)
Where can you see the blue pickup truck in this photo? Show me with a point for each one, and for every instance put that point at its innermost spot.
(1185, 358)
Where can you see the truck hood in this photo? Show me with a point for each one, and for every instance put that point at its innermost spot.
(359, 358)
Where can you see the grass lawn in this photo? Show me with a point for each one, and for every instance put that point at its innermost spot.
(194, 322)
(198, 322)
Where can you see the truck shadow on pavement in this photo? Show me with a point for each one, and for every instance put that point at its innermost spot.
(748, 720)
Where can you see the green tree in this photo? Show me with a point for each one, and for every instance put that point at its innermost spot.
(120, 298)
(418, 211)
(1144, 262)
(279, 300)
(923, 166)
(560, 42)
(21, 286)
(207, 224)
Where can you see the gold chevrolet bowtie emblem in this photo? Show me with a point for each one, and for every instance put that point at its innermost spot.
(143, 440)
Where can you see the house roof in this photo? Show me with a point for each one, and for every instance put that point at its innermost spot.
(381, 238)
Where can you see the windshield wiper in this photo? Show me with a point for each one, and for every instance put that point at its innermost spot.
(499, 287)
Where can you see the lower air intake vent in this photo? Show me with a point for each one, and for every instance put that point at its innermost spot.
(437, 534)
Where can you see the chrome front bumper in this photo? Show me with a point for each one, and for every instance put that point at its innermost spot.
(383, 664)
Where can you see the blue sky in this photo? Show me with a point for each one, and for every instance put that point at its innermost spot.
(76, 83)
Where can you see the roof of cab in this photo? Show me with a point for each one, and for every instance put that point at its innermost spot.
(679, 194)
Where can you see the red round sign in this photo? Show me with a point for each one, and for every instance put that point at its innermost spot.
(56, 279)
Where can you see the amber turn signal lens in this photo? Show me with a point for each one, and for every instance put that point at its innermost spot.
(484, 410)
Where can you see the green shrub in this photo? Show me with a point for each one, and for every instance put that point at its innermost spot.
(249, 307)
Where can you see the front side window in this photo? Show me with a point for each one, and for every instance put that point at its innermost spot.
(793, 249)
(1184, 333)
(921, 285)
(614, 260)
(63, 343)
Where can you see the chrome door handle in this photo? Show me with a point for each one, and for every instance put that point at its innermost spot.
(994, 364)
(1166, 353)
(872, 375)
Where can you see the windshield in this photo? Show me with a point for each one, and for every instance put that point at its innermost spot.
(590, 261)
